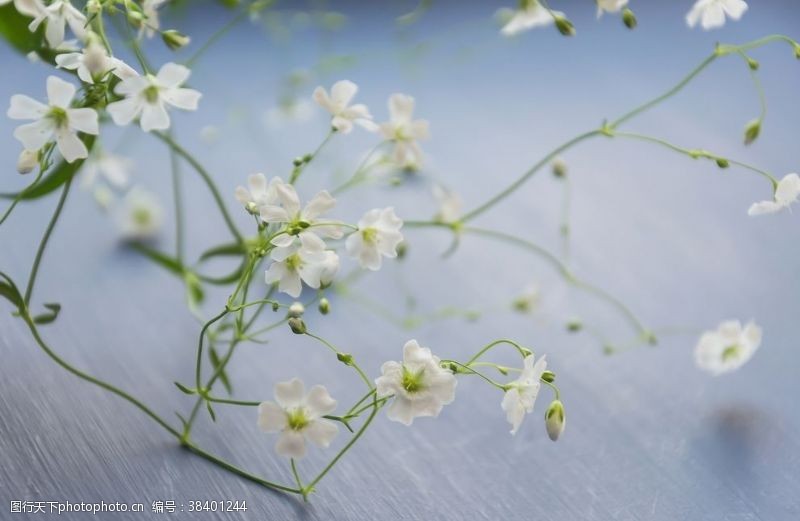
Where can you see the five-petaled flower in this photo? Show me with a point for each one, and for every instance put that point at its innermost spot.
(420, 386)
(727, 348)
(257, 194)
(282, 206)
(520, 397)
(404, 131)
(140, 215)
(378, 236)
(301, 259)
(338, 104)
(56, 119)
(148, 96)
(528, 15)
(57, 16)
(93, 63)
(711, 13)
(298, 417)
(786, 193)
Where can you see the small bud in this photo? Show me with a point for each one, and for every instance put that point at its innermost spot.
(608, 350)
(93, 6)
(502, 370)
(275, 306)
(297, 326)
(135, 17)
(307, 158)
(797, 51)
(574, 325)
(753, 64)
(722, 162)
(526, 352)
(559, 168)
(296, 310)
(751, 131)
(564, 26)
(297, 161)
(324, 306)
(549, 376)
(252, 208)
(345, 358)
(628, 18)
(402, 250)
(28, 159)
(174, 39)
(453, 367)
(555, 420)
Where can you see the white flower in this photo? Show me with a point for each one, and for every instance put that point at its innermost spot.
(338, 104)
(282, 206)
(450, 204)
(93, 63)
(147, 96)
(257, 194)
(30, 8)
(140, 215)
(520, 398)
(54, 119)
(378, 235)
(302, 259)
(151, 24)
(610, 6)
(298, 416)
(786, 193)
(58, 15)
(329, 266)
(530, 14)
(529, 299)
(404, 131)
(419, 384)
(27, 161)
(711, 13)
(115, 169)
(727, 348)
(555, 420)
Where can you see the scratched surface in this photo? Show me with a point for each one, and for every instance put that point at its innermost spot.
(649, 437)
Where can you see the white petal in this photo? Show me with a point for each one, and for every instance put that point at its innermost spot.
(186, 99)
(764, 207)
(283, 241)
(319, 402)
(172, 75)
(290, 394)
(154, 117)
(343, 92)
(401, 107)
(271, 417)
(33, 136)
(25, 107)
(125, 110)
(320, 95)
(59, 92)
(291, 444)
(274, 214)
(322, 203)
(343, 125)
(54, 31)
(321, 432)
(734, 8)
(70, 146)
(401, 410)
(514, 410)
(788, 190)
(83, 119)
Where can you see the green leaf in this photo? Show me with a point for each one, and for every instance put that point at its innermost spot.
(223, 376)
(14, 29)
(9, 290)
(224, 250)
(49, 317)
(57, 176)
(211, 412)
(194, 289)
(184, 389)
(172, 264)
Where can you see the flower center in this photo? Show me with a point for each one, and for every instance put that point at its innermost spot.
(151, 94)
(730, 352)
(296, 419)
(141, 217)
(412, 382)
(370, 235)
(293, 261)
(58, 115)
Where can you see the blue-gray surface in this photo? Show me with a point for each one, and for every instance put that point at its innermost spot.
(649, 435)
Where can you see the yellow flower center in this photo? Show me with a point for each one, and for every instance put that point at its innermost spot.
(58, 115)
(412, 382)
(296, 419)
(731, 352)
(370, 235)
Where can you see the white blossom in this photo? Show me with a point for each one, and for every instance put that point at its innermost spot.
(28, 160)
(520, 398)
(555, 420)
(93, 63)
(148, 96)
(786, 193)
(56, 119)
(57, 16)
(338, 104)
(528, 15)
(450, 204)
(30, 8)
(282, 206)
(727, 348)
(257, 194)
(298, 417)
(404, 131)
(302, 259)
(610, 6)
(151, 23)
(378, 236)
(711, 13)
(114, 168)
(420, 386)
(140, 216)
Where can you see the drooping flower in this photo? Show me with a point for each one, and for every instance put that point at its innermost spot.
(93, 63)
(404, 131)
(555, 420)
(786, 193)
(284, 208)
(711, 13)
(520, 398)
(257, 194)
(420, 386)
(378, 236)
(56, 119)
(140, 216)
(338, 104)
(727, 348)
(151, 23)
(57, 16)
(302, 259)
(610, 6)
(528, 15)
(298, 417)
(115, 169)
(148, 96)
(450, 204)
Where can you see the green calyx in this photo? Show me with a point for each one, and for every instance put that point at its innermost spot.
(151, 94)
(58, 115)
(730, 352)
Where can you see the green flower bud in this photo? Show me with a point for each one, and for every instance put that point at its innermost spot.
(559, 168)
(608, 349)
(28, 159)
(296, 310)
(345, 358)
(574, 325)
(564, 26)
(628, 18)
(753, 64)
(402, 250)
(797, 51)
(722, 163)
(174, 39)
(297, 161)
(297, 326)
(555, 420)
(751, 131)
(549, 376)
(275, 306)
(324, 306)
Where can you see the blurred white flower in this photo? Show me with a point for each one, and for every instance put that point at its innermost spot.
(328, 267)
(93, 63)
(529, 299)
(727, 348)
(290, 111)
(114, 168)
(404, 131)
(151, 23)
(378, 236)
(27, 161)
(711, 13)
(209, 134)
(528, 15)
(148, 97)
(298, 417)
(257, 194)
(57, 15)
(301, 259)
(420, 386)
(140, 215)
(31, 8)
(55, 119)
(338, 104)
(284, 208)
(786, 193)
(610, 6)
(450, 204)
(520, 398)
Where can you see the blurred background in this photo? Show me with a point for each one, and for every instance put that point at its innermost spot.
(649, 436)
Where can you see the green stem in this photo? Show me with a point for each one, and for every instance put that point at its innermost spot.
(299, 169)
(522, 351)
(199, 364)
(219, 33)
(178, 201)
(470, 370)
(360, 172)
(352, 362)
